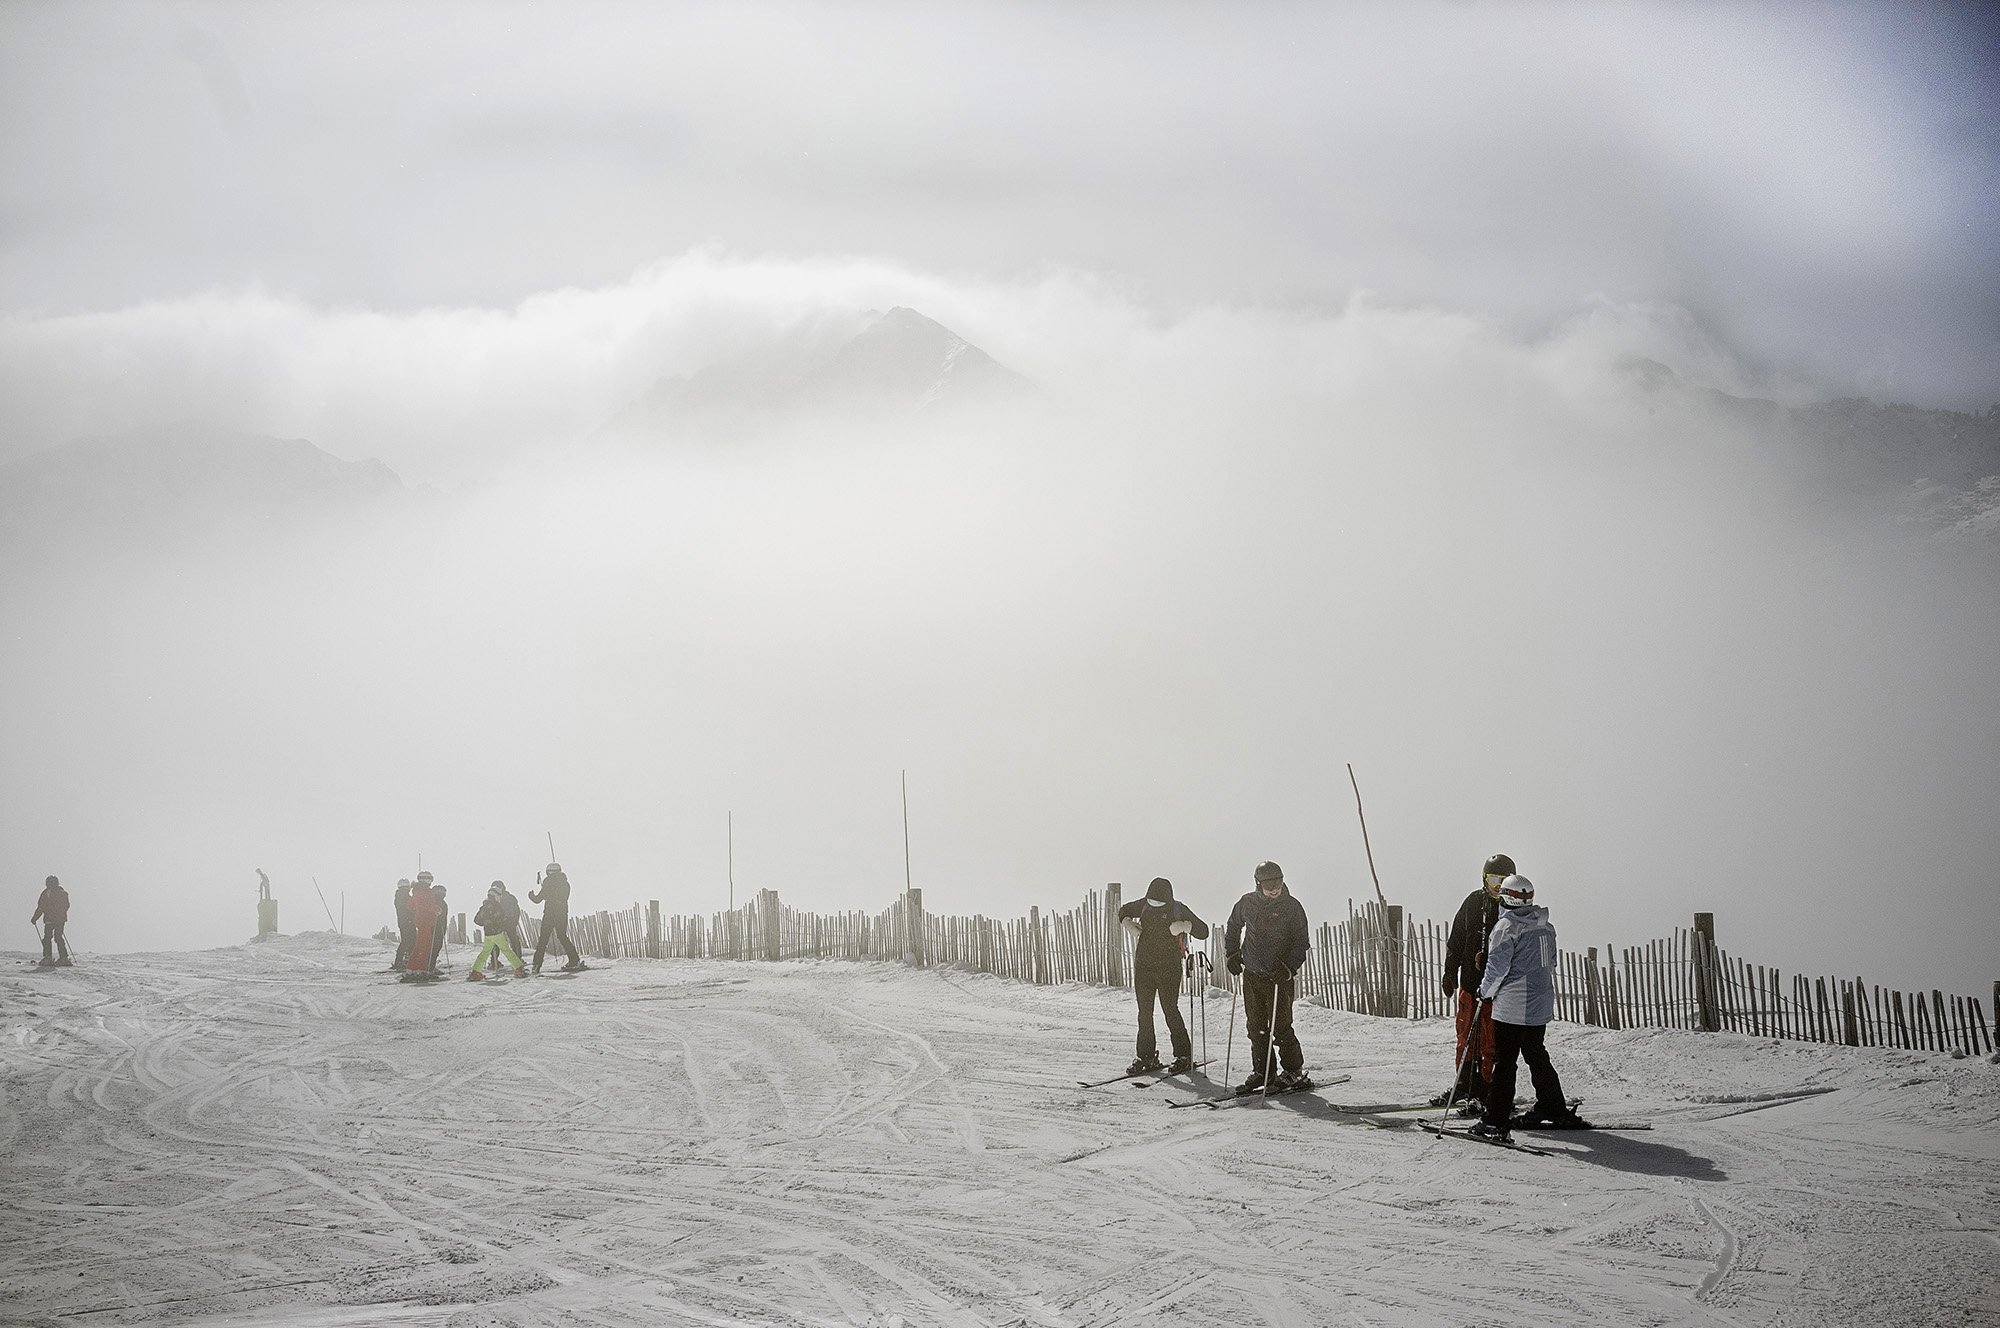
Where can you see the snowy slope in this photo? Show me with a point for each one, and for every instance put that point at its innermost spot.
(280, 1134)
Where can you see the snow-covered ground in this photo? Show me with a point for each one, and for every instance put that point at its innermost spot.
(281, 1134)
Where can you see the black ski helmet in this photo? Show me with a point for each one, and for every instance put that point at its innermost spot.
(1498, 865)
(1268, 872)
(52, 881)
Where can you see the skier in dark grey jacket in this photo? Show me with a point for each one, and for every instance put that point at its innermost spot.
(1160, 925)
(554, 899)
(1266, 942)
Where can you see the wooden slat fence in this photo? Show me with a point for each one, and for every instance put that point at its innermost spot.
(1374, 961)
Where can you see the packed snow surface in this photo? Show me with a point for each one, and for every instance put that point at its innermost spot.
(284, 1134)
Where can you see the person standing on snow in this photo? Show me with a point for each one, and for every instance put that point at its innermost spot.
(554, 899)
(426, 918)
(492, 916)
(1266, 942)
(53, 905)
(1519, 990)
(512, 905)
(405, 928)
(1464, 965)
(443, 926)
(1160, 926)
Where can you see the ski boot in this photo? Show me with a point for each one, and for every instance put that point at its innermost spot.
(1487, 1130)
(1254, 1084)
(45, 963)
(520, 972)
(1181, 1065)
(576, 967)
(1291, 1083)
(475, 976)
(65, 963)
(1144, 1064)
(1550, 1118)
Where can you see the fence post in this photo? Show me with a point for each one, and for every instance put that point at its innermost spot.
(652, 929)
(913, 926)
(1114, 936)
(1704, 972)
(769, 914)
(1396, 997)
(1038, 969)
(1592, 1010)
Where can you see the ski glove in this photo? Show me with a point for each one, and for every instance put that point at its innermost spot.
(1180, 928)
(1236, 963)
(1448, 985)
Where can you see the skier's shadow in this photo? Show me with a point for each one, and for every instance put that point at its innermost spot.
(1625, 1152)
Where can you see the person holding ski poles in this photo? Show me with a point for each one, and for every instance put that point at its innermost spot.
(1160, 925)
(554, 899)
(443, 925)
(492, 916)
(405, 927)
(1266, 942)
(1519, 992)
(53, 905)
(1464, 965)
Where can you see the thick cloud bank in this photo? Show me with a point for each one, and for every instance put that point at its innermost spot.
(1547, 597)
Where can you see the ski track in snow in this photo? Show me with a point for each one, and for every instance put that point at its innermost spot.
(282, 1134)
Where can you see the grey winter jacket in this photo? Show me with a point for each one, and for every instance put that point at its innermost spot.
(1521, 967)
(1270, 934)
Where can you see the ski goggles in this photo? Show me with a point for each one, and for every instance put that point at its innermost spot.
(1491, 880)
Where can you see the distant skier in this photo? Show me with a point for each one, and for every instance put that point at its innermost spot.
(426, 918)
(1464, 965)
(1160, 926)
(493, 917)
(405, 926)
(1519, 991)
(53, 906)
(1266, 941)
(510, 907)
(554, 899)
(443, 925)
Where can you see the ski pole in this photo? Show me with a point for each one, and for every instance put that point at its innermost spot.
(1205, 970)
(1270, 1039)
(1229, 1046)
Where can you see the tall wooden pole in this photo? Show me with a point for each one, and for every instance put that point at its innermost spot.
(1364, 835)
(906, 830)
(730, 825)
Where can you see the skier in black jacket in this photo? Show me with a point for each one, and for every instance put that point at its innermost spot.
(1160, 926)
(1464, 966)
(554, 899)
(406, 927)
(1266, 941)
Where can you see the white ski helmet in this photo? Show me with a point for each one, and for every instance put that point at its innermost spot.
(1517, 892)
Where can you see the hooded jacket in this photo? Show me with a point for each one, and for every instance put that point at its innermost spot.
(1270, 934)
(1157, 928)
(53, 905)
(1521, 967)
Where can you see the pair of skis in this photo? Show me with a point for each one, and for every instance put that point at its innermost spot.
(1153, 1074)
(1259, 1095)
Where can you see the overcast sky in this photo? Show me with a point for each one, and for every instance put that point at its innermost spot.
(1337, 456)
(1813, 182)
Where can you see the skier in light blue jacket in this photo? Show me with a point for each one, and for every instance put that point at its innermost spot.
(1520, 987)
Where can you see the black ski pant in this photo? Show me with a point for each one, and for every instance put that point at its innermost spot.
(405, 934)
(1524, 1041)
(1161, 986)
(1267, 1014)
(442, 926)
(53, 937)
(555, 925)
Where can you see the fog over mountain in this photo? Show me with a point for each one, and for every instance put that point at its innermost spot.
(1676, 647)
(424, 428)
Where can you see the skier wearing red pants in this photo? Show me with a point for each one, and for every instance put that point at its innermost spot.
(426, 916)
